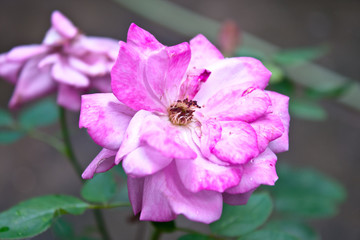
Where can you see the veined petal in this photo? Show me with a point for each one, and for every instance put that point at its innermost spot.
(235, 104)
(267, 128)
(201, 174)
(32, 83)
(105, 118)
(192, 83)
(143, 41)
(260, 170)
(280, 108)
(69, 97)
(101, 163)
(203, 52)
(63, 25)
(144, 161)
(238, 143)
(165, 197)
(237, 199)
(22, 53)
(228, 72)
(128, 83)
(64, 73)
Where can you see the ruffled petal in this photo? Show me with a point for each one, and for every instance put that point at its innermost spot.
(235, 104)
(23, 53)
(280, 108)
(238, 143)
(69, 97)
(237, 199)
(144, 161)
(64, 73)
(260, 170)
(101, 163)
(203, 52)
(63, 25)
(210, 135)
(233, 71)
(105, 118)
(200, 174)
(32, 83)
(165, 197)
(192, 83)
(128, 83)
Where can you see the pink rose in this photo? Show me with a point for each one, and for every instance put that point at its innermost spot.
(67, 61)
(191, 128)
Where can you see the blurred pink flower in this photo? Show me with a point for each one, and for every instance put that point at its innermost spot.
(191, 128)
(66, 61)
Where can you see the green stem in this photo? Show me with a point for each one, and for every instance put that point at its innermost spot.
(156, 234)
(108, 206)
(100, 222)
(48, 139)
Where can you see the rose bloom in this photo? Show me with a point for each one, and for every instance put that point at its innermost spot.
(66, 61)
(192, 129)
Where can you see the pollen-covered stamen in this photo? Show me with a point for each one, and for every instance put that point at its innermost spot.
(181, 112)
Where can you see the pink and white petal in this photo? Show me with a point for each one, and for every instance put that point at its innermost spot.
(260, 170)
(105, 118)
(201, 174)
(98, 68)
(203, 52)
(210, 135)
(23, 53)
(235, 104)
(237, 199)
(63, 73)
(63, 25)
(135, 191)
(228, 72)
(132, 135)
(280, 107)
(128, 83)
(32, 83)
(69, 97)
(144, 161)
(99, 45)
(165, 197)
(238, 143)
(166, 138)
(141, 40)
(53, 38)
(101, 163)
(49, 60)
(191, 85)
(267, 128)
(101, 84)
(9, 70)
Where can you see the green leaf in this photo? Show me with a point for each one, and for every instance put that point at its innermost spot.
(40, 114)
(63, 229)
(268, 235)
(34, 216)
(299, 55)
(9, 136)
(239, 220)
(308, 110)
(165, 226)
(306, 193)
(277, 74)
(101, 188)
(331, 93)
(298, 229)
(194, 236)
(5, 118)
(285, 87)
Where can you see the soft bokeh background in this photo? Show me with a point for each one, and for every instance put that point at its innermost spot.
(30, 168)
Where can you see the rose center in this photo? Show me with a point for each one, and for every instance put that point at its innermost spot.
(181, 112)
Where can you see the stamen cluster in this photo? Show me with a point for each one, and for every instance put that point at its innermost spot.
(181, 112)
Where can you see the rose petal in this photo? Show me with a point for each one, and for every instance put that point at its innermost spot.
(69, 97)
(49, 60)
(260, 170)
(238, 143)
(144, 161)
(280, 107)
(203, 53)
(53, 38)
(165, 197)
(64, 73)
(135, 191)
(22, 53)
(98, 68)
(102, 84)
(9, 70)
(191, 85)
(100, 45)
(105, 118)
(32, 83)
(63, 25)
(233, 71)
(128, 83)
(101, 163)
(237, 199)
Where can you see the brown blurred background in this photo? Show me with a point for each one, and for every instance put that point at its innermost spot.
(30, 168)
